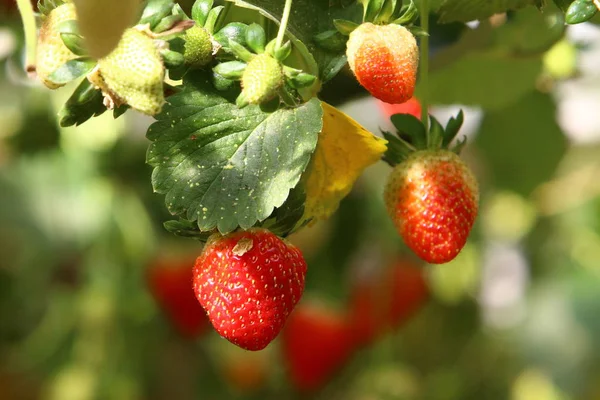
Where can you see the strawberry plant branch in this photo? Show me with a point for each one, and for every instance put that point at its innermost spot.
(284, 20)
(425, 65)
(30, 30)
(597, 4)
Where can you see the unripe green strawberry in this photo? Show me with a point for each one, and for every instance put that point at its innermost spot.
(133, 73)
(384, 59)
(198, 47)
(51, 51)
(262, 78)
(249, 282)
(432, 197)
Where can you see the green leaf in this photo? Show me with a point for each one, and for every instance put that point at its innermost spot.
(522, 144)
(309, 18)
(256, 38)
(155, 11)
(464, 11)
(200, 11)
(580, 11)
(185, 228)
(72, 70)
(85, 102)
(223, 166)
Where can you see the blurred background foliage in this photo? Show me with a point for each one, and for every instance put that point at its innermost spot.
(90, 299)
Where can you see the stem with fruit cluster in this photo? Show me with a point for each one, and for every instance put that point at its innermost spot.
(30, 30)
(283, 26)
(424, 68)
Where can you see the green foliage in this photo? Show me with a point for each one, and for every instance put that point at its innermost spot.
(309, 18)
(223, 166)
(85, 102)
(524, 141)
(464, 11)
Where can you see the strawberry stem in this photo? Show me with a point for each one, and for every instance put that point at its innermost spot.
(30, 29)
(424, 74)
(283, 26)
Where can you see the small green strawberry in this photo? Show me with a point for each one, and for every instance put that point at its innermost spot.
(51, 50)
(432, 198)
(249, 282)
(261, 70)
(262, 79)
(132, 73)
(198, 47)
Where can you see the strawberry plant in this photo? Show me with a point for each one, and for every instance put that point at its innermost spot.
(245, 153)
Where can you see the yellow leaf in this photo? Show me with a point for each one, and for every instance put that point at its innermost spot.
(102, 22)
(344, 150)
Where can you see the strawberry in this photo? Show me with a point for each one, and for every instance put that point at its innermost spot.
(51, 51)
(385, 301)
(249, 282)
(262, 78)
(198, 47)
(432, 198)
(412, 107)
(170, 285)
(132, 73)
(316, 343)
(384, 59)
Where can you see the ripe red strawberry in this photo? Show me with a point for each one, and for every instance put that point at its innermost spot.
(170, 284)
(316, 342)
(412, 107)
(384, 59)
(432, 198)
(387, 300)
(249, 282)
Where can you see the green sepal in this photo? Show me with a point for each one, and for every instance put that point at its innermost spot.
(172, 59)
(372, 8)
(186, 228)
(221, 83)
(155, 12)
(241, 101)
(436, 133)
(235, 31)
(85, 102)
(69, 33)
(410, 127)
(118, 111)
(72, 70)
(387, 12)
(408, 14)
(331, 40)
(580, 11)
(177, 10)
(452, 127)
(231, 69)
(302, 80)
(240, 51)
(288, 96)
(344, 26)
(411, 136)
(256, 38)
(285, 219)
(417, 31)
(213, 16)
(283, 52)
(167, 23)
(200, 11)
(46, 6)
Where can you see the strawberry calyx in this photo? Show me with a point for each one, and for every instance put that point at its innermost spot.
(258, 65)
(411, 136)
(378, 12)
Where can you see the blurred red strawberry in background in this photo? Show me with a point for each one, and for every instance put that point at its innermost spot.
(412, 107)
(386, 300)
(316, 342)
(170, 282)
